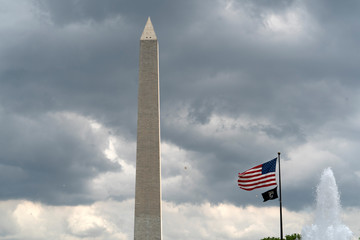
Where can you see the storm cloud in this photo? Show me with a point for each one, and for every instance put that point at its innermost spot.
(239, 80)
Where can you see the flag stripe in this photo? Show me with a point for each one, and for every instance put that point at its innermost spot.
(250, 174)
(271, 176)
(257, 168)
(257, 182)
(255, 176)
(260, 186)
(259, 176)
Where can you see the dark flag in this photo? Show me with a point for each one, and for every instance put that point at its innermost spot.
(270, 195)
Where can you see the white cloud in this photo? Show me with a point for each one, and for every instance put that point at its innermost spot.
(102, 220)
(85, 222)
(117, 184)
(181, 177)
(227, 221)
(305, 162)
(114, 220)
(8, 222)
(288, 23)
(350, 217)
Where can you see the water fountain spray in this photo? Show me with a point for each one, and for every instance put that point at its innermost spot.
(327, 225)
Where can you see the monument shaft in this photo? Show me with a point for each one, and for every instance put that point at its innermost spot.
(148, 163)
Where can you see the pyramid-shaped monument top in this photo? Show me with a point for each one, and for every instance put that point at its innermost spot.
(148, 33)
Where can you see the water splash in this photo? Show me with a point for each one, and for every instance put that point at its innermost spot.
(327, 224)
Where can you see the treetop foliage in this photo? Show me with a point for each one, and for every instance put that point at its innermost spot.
(294, 236)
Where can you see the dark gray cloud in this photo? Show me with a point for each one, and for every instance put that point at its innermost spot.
(50, 158)
(286, 68)
(72, 69)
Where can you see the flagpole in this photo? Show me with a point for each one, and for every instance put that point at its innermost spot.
(281, 223)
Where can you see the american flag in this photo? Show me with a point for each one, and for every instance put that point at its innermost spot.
(259, 176)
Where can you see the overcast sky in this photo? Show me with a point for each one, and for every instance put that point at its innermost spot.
(240, 81)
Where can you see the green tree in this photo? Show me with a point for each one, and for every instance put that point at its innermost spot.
(294, 236)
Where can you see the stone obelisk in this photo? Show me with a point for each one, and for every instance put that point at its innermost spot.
(148, 163)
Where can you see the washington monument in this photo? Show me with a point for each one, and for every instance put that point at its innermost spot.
(148, 163)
